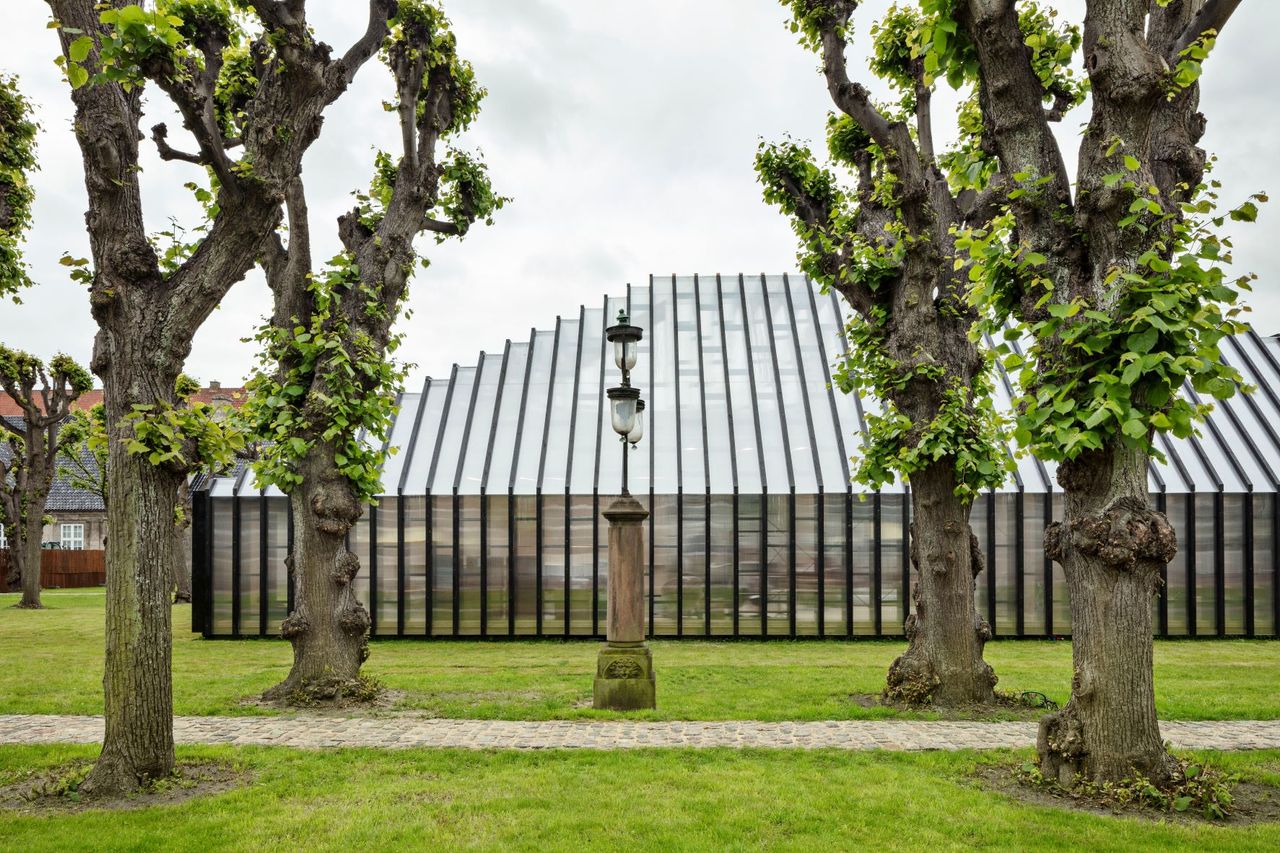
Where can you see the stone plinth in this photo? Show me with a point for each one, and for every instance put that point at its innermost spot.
(624, 667)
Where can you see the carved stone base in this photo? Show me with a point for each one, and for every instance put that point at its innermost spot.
(624, 678)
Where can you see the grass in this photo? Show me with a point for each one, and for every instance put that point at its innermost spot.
(51, 663)
(653, 800)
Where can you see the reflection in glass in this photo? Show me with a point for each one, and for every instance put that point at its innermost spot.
(441, 565)
(277, 571)
(751, 581)
(415, 564)
(222, 565)
(468, 557)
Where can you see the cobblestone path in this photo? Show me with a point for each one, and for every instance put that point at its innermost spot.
(317, 732)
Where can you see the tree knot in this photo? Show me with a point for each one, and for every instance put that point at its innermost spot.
(1125, 536)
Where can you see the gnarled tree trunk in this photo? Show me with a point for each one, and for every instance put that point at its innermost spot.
(943, 662)
(329, 627)
(137, 680)
(1111, 546)
(28, 565)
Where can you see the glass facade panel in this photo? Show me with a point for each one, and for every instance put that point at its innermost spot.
(1234, 519)
(768, 397)
(610, 461)
(469, 557)
(358, 544)
(1062, 595)
(442, 565)
(497, 564)
(1176, 572)
(892, 549)
(415, 564)
(662, 410)
(833, 564)
(250, 566)
(1033, 585)
(535, 411)
(1006, 567)
(751, 576)
(693, 469)
(507, 419)
(277, 570)
(454, 426)
(693, 564)
(1206, 621)
(978, 524)
(778, 562)
(864, 550)
(526, 555)
(794, 396)
(720, 452)
(664, 523)
(471, 473)
(387, 555)
(721, 549)
(806, 564)
(815, 353)
(589, 405)
(222, 565)
(556, 448)
(581, 561)
(1264, 564)
(553, 563)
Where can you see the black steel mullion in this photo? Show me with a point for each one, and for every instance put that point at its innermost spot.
(675, 342)
(786, 450)
(653, 425)
(568, 469)
(457, 564)
(733, 447)
(400, 566)
(1162, 606)
(235, 566)
(706, 457)
(906, 557)
(373, 570)
(1048, 565)
(595, 481)
(991, 560)
(1019, 562)
(877, 565)
(542, 467)
(262, 564)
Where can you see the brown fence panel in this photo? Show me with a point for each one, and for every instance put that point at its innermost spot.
(64, 569)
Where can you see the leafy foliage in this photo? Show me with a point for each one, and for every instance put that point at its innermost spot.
(1097, 373)
(327, 378)
(186, 436)
(17, 161)
(1195, 787)
(83, 457)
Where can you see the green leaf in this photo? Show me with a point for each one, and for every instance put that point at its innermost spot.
(77, 76)
(1131, 163)
(1135, 429)
(79, 49)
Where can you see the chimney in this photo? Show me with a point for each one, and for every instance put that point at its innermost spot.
(214, 386)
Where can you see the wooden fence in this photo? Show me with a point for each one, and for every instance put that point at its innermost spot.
(64, 569)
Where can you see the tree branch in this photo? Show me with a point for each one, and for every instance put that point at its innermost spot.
(340, 73)
(160, 135)
(437, 226)
(1213, 15)
(852, 98)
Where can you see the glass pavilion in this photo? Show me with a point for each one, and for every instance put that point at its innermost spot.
(490, 521)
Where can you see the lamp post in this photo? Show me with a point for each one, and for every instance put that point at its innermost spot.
(624, 667)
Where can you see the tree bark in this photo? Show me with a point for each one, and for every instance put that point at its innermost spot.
(943, 663)
(137, 679)
(1111, 546)
(29, 565)
(329, 627)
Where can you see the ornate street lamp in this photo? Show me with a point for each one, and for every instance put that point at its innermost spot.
(624, 667)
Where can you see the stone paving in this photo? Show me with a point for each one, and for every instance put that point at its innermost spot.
(320, 732)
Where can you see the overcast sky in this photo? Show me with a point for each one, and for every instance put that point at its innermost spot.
(625, 133)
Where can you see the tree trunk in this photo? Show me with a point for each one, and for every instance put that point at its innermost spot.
(329, 628)
(943, 662)
(29, 568)
(1112, 546)
(26, 555)
(182, 565)
(137, 680)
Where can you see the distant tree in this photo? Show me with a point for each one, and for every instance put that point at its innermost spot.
(83, 456)
(323, 399)
(17, 162)
(1118, 277)
(27, 469)
(886, 245)
(251, 83)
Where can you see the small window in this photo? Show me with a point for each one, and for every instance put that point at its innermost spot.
(73, 537)
(4, 542)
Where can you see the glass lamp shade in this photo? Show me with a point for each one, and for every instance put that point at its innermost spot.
(637, 431)
(624, 402)
(626, 341)
(625, 353)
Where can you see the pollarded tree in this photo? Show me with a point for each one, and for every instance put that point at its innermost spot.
(326, 388)
(251, 83)
(17, 161)
(1119, 281)
(887, 247)
(45, 395)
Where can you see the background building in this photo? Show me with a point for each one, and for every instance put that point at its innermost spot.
(490, 522)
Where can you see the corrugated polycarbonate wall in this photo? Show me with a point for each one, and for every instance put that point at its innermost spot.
(491, 522)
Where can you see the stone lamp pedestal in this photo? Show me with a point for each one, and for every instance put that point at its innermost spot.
(624, 667)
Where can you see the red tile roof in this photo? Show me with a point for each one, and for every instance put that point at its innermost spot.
(216, 396)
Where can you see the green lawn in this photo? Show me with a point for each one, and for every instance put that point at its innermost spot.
(646, 800)
(51, 662)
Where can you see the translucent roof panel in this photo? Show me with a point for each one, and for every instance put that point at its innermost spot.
(480, 422)
(721, 452)
(444, 467)
(737, 375)
(507, 419)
